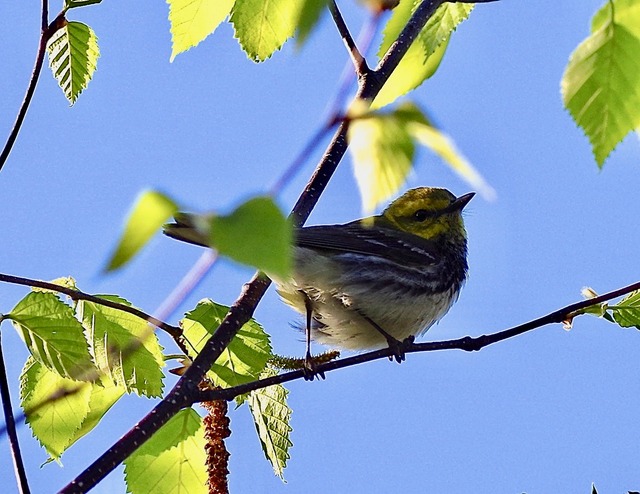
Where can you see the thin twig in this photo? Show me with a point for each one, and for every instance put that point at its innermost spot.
(466, 343)
(18, 464)
(359, 62)
(174, 331)
(45, 34)
(187, 284)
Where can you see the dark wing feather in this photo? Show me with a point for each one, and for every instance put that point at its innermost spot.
(395, 245)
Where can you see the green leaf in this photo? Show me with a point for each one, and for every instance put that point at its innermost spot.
(627, 312)
(382, 148)
(172, 461)
(272, 416)
(55, 407)
(262, 26)
(73, 55)
(104, 394)
(124, 346)
(440, 25)
(150, 212)
(425, 54)
(53, 335)
(70, 4)
(245, 357)
(257, 234)
(308, 18)
(601, 84)
(382, 152)
(193, 20)
(60, 411)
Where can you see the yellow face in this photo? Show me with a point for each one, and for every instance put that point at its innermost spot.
(427, 212)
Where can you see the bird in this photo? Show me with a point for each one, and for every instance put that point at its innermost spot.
(375, 282)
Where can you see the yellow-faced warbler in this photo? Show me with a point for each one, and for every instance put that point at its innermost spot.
(377, 281)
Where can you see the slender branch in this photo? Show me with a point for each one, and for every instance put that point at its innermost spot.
(187, 284)
(466, 343)
(45, 33)
(186, 388)
(18, 464)
(174, 331)
(359, 62)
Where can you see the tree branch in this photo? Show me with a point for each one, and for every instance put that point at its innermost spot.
(18, 465)
(466, 343)
(174, 331)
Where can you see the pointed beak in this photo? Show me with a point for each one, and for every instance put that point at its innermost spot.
(460, 203)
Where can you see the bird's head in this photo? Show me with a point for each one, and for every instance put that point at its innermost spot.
(428, 212)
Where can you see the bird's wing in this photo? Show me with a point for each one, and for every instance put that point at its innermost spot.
(387, 243)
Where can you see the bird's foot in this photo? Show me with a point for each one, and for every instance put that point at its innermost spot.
(310, 369)
(399, 348)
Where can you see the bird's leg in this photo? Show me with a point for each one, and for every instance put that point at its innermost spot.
(397, 347)
(309, 369)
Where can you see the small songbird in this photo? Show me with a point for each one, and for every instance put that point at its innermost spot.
(376, 281)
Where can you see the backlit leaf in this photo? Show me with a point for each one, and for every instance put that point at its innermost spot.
(73, 55)
(426, 52)
(627, 312)
(172, 461)
(262, 26)
(272, 416)
(124, 346)
(193, 20)
(149, 213)
(53, 335)
(382, 152)
(601, 84)
(245, 357)
(55, 406)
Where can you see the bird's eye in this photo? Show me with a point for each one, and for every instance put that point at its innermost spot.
(421, 215)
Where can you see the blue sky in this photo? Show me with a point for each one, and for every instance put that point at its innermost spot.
(550, 411)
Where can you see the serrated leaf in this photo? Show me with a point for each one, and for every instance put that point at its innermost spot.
(245, 357)
(124, 346)
(601, 84)
(308, 18)
(425, 54)
(262, 26)
(257, 234)
(73, 56)
(441, 24)
(53, 335)
(627, 312)
(55, 407)
(272, 416)
(382, 152)
(193, 20)
(104, 394)
(172, 461)
(151, 210)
